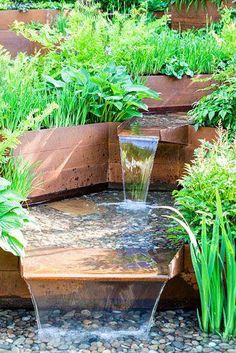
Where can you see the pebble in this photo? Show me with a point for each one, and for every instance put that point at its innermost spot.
(86, 313)
(167, 335)
(15, 350)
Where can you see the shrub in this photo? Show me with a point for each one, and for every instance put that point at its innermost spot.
(92, 40)
(219, 107)
(213, 169)
(106, 96)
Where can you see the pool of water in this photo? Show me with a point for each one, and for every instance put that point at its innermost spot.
(102, 220)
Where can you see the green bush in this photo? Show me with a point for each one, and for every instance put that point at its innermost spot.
(213, 169)
(93, 40)
(25, 5)
(218, 107)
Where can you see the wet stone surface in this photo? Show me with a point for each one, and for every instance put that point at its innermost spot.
(174, 331)
(101, 220)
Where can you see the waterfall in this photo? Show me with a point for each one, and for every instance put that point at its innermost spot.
(137, 158)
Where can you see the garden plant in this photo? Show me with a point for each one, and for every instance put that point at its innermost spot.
(213, 257)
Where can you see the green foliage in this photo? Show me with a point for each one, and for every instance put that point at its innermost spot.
(82, 96)
(92, 40)
(214, 262)
(177, 69)
(126, 5)
(218, 107)
(213, 169)
(25, 5)
(117, 5)
(20, 173)
(105, 96)
(157, 5)
(12, 219)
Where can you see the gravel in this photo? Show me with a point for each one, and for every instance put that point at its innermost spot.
(174, 331)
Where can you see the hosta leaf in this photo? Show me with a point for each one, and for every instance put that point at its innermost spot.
(4, 183)
(55, 83)
(10, 221)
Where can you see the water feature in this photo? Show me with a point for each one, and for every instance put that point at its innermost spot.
(137, 157)
(98, 266)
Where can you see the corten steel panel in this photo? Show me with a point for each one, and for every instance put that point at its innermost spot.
(7, 17)
(12, 285)
(8, 262)
(99, 264)
(204, 133)
(15, 44)
(175, 93)
(68, 158)
(67, 179)
(48, 140)
(188, 17)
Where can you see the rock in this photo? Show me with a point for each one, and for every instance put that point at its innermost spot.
(178, 344)
(86, 313)
(26, 318)
(212, 344)
(15, 350)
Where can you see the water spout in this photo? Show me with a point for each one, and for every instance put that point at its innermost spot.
(137, 158)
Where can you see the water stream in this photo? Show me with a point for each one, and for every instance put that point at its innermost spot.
(137, 157)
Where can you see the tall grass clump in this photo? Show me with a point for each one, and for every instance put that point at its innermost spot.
(21, 174)
(214, 261)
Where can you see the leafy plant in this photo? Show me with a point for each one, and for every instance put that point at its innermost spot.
(214, 261)
(218, 107)
(12, 219)
(105, 96)
(157, 5)
(213, 169)
(127, 5)
(91, 39)
(26, 5)
(177, 69)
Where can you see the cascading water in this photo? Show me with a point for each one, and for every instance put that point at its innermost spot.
(98, 276)
(137, 157)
